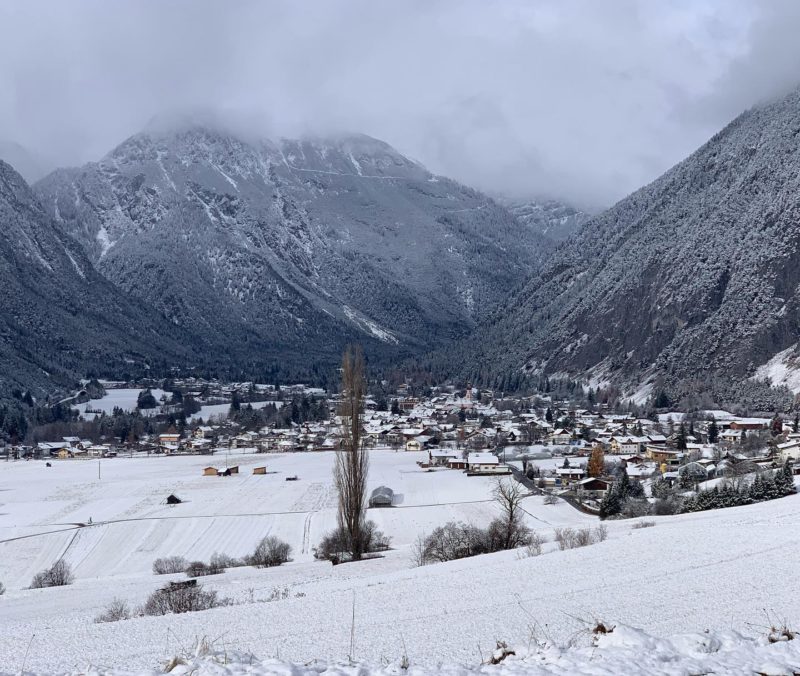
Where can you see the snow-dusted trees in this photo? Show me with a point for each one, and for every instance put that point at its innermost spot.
(58, 575)
(271, 551)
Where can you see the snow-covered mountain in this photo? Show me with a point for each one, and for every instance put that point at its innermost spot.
(277, 246)
(59, 317)
(550, 218)
(690, 284)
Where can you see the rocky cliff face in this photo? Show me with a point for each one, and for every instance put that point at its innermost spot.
(292, 248)
(690, 284)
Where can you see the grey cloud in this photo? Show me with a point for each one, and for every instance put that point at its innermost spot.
(575, 99)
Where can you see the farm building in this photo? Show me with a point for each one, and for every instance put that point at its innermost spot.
(594, 486)
(382, 496)
(485, 463)
(440, 457)
(259, 470)
(210, 471)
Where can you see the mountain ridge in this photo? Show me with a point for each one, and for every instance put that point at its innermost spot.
(295, 244)
(688, 285)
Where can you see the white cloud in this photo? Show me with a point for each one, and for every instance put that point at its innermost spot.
(579, 99)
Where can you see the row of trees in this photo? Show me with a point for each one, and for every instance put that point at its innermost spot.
(732, 494)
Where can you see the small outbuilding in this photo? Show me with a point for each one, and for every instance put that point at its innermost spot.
(210, 471)
(259, 470)
(382, 496)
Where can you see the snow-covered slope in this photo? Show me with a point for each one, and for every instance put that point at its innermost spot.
(275, 245)
(552, 219)
(732, 569)
(692, 280)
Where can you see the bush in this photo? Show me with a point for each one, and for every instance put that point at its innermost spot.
(181, 598)
(2, 589)
(169, 564)
(568, 538)
(115, 611)
(634, 508)
(335, 546)
(454, 541)
(643, 524)
(551, 499)
(271, 551)
(58, 575)
(583, 537)
(534, 546)
(565, 538)
(219, 563)
(667, 506)
(198, 569)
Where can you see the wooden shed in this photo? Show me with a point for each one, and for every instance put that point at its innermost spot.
(234, 469)
(259, 470)
(210, 471)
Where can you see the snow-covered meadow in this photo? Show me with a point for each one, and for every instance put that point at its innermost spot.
(712, 570)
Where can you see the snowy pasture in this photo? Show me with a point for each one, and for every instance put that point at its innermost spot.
(710, 570)
(124, 398)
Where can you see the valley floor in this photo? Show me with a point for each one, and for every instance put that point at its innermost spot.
(732, 569)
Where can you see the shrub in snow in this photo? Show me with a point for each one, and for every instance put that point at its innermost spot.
(667, 506)
(198, 569)
(644, 524)
(534, 546)
(220, 562)
(181, 598)
(115, 611)
(58, 575)
(634, 508)
(335, 546)
(551, 499)
(2, 589)
(569, 538)
(271, 551)
(169, 564)
(454, 541)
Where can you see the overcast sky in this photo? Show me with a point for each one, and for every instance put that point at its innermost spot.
(584, 100)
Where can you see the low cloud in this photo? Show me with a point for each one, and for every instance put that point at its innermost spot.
(575, 99)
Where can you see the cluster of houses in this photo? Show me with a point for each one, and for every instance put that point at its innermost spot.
(466, 431)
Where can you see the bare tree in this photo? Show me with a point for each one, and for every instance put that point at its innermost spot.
(352, 460)
(510, 528)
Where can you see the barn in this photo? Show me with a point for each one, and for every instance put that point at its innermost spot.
(382, 496)
(259, 470)
(210, 471)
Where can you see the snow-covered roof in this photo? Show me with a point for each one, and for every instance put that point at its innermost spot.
(482, 459)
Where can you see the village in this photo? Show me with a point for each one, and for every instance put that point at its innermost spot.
(545, 442)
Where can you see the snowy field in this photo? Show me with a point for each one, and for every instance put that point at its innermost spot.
(220, 411)
(713, 570)
(125, 399)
